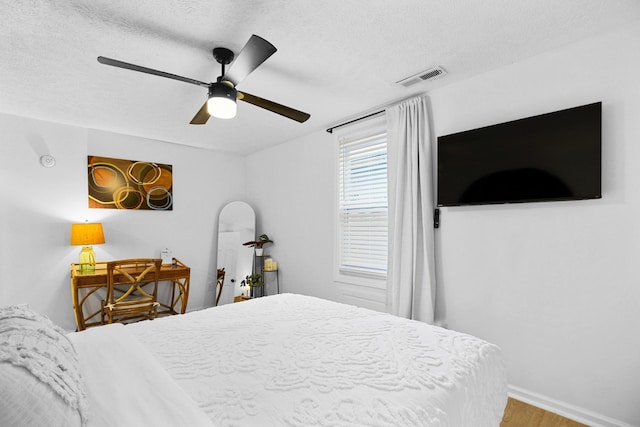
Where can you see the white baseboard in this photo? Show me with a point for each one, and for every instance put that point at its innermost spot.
(566, 410)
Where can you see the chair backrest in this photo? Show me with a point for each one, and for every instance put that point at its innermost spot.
(219, 283)
(132, 288)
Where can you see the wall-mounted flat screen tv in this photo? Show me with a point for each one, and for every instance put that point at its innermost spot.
(550, 157)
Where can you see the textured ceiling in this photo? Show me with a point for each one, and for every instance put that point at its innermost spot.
(336, 59)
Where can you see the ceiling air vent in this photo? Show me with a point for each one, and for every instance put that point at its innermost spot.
(429, 74)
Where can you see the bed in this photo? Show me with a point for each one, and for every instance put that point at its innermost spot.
(282, 360)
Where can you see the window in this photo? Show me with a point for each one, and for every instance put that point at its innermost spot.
(362, 205)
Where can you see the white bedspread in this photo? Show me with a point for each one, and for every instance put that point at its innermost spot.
(126, 386)
(291, 360)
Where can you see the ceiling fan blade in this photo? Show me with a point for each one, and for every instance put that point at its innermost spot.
(201, 116)
(255, 52)
(283, 110)
(133, 67)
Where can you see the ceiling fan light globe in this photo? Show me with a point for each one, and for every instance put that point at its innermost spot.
(221, 108)
(222, 101)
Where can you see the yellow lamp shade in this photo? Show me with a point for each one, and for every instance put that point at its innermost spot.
(87, 234)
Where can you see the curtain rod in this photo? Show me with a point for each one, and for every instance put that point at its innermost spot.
(330, 130)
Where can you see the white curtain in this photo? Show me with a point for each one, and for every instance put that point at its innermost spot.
(411, 271)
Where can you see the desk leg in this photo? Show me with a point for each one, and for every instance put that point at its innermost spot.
(177, 303)
(183, 294)
(77, 308)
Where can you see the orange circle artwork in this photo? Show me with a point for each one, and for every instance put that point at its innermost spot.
(129, 184)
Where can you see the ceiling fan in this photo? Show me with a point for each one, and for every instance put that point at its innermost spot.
(223, 94)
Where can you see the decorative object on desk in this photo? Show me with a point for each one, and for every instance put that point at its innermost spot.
(87, 234)
(256, 285)
(166, 256)
(262, 240)
(129, 184)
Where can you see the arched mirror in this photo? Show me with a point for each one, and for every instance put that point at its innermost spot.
(236, 225)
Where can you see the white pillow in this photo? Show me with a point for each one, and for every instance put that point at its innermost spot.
(40, 381)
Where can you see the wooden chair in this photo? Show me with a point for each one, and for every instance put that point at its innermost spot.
(132, 290)
(219, 283)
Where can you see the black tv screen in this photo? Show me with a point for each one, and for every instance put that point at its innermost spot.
(553, 156)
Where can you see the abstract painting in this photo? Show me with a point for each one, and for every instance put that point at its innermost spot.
(129, 184)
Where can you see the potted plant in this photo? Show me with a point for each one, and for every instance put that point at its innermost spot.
(262, 240)
(255, 284)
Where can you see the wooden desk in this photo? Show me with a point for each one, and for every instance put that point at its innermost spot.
(84, 285)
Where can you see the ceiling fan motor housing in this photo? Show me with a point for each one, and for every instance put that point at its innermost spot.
(222, 90)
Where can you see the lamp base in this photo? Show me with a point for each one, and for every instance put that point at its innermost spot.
(87, 260)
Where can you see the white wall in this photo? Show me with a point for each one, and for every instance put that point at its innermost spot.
(553, 284)
(39, 204)
(291, 187)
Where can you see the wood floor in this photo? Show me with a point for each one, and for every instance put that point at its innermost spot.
(520, 414)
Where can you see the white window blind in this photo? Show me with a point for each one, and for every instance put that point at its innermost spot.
(362, 206)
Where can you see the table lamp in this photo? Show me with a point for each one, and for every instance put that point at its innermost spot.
(87, 234)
